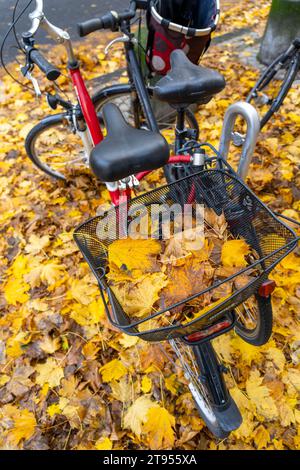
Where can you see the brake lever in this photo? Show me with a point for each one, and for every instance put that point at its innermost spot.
(124, 39)
(34, 83)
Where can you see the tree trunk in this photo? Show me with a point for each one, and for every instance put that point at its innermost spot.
(283, 26)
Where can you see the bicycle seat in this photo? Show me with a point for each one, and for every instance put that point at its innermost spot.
(126, 150)
(187, 83)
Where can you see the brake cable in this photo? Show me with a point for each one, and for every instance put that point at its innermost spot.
(3, 44)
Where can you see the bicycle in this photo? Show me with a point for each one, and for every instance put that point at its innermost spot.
(75, 131)
(127, 155)
(276, 81)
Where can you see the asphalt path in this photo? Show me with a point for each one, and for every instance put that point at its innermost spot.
(63, 13)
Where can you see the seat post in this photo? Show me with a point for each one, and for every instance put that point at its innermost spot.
(180, 129)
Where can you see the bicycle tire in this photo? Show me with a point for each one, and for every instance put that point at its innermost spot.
(288, 82)
(266, 77)
(30, 141)
(261, 334)
(269, 75)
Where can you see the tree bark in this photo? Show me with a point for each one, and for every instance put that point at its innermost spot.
(283, 26)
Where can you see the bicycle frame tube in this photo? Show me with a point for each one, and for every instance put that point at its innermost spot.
(173, 159)
(86, 105)
(137, 78)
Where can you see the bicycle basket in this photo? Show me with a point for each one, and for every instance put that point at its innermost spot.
(218, 188)
(178, 24)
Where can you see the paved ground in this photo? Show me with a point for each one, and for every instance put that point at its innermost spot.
(64, 13)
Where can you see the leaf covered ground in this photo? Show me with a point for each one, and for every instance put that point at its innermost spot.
(68, 380)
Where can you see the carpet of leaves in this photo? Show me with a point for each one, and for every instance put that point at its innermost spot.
(68, 380)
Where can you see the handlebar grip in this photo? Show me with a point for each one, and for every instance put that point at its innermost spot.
(52, 73)
(89, 26)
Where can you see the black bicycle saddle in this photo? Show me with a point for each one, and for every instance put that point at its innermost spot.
(126, 150)
(187, 83)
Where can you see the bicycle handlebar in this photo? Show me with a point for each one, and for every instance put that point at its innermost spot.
(108, 21)
(52, 73)
(36, 16)
(111, 20)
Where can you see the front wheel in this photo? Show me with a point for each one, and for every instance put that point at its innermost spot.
(54, 149)
(204, 375)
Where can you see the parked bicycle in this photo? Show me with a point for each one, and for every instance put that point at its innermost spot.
(273, 86)
(211, 182)
(74, 132)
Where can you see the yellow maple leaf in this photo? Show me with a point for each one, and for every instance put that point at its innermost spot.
(15, 291)
(90, 350)
(234, 252)
(138, 298)
(261, 437)
(247, 352)
(137, 414)
(82, 291)
(159, 428)
(121, 390)
(51, 273)
(277, 357)
(104, 444)
(49, 345)
(24, 423)
(49, 372)
(37, 244)
(4, 379)
(88, 315)
(113, 370)
(128, 341)
(134, 256)
(172, 384)
(20, 266)
(15, 344)
(146, 384)
(260, 395)
(53, 410)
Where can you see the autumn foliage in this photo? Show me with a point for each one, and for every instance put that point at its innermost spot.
(68, 380)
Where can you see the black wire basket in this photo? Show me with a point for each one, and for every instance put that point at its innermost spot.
(216, 187)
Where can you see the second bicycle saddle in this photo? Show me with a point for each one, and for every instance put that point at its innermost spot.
(126, 150)
(187, 83)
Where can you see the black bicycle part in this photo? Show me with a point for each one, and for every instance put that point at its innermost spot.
(210, 332)
(55, 100)
(138, 117)
(262, 332)
(44, 124)
(112, 20)
(33, 56)
(126, 150)
(177, 171)
(228, 416)
(288, 61)
(266, 224)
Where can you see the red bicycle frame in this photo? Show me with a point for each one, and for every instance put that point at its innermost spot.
(117, 196)
(86, 105)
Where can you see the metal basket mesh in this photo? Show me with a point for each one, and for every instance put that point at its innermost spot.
(217, 188)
